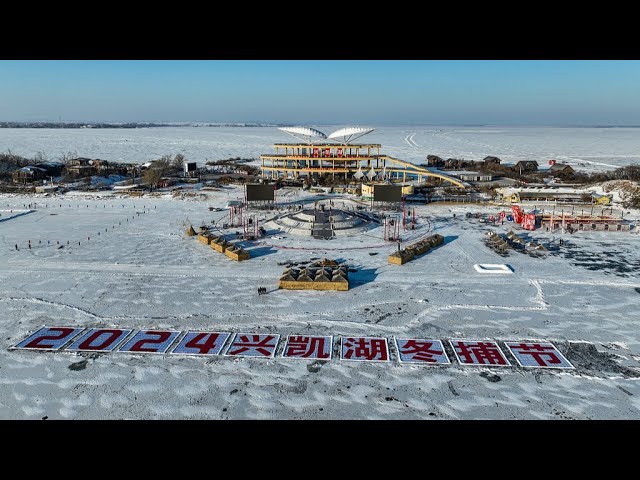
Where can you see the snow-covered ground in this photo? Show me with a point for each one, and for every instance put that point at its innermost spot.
(584, 148)
(142, 272)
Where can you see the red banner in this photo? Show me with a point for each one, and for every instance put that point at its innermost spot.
(529, 222)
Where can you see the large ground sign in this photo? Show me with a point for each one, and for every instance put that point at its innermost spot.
(410, 351)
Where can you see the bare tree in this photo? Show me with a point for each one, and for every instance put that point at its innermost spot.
(178, 161)
(585, 197)
(40, 157)
(151, 177)
(67, 157)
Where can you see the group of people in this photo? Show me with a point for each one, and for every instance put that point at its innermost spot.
(262, 290)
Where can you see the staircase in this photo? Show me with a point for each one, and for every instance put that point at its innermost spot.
(322, 229)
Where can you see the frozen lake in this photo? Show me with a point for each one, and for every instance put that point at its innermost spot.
(584, 148)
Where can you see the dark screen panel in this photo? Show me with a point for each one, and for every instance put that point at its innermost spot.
(260, 192)
(387, 193)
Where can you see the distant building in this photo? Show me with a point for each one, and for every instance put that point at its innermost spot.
(604, 200)
(435, 161)
(81, 167)
(53, 169)
(353, 188)
(47, 189)
(560, 194)
(86, 167)
(39, 171)
(367, 189)
(28, 174)
(190, 169)
(468, 176)
(526, 166)
(166, 182)
(561, 168)
(491, 160)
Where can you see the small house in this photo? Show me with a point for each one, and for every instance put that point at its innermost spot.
(561, 168)
(467, 176)
(491, 160)
(435, 161)
(604, 200)
(526, 166)
(28, 174)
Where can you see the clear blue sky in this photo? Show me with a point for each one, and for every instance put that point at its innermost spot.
(324, 92)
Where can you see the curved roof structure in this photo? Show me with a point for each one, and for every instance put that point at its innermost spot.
(348, 134)
(305, 134)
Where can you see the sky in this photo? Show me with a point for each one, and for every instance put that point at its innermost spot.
(315, 92)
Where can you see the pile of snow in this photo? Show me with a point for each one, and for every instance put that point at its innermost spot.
(622, 190)
(493, 268)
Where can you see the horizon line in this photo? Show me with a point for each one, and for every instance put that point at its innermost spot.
(253, 124)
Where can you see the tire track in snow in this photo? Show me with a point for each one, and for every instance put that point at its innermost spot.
(55, 304)
(410, 141)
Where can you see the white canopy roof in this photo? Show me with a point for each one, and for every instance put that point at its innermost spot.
(349, 134)
(303, 133)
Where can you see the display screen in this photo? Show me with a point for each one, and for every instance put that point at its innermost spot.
(259, 192)
(387, 193)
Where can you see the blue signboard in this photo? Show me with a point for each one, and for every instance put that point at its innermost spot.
(150, 341)
(201, 343)
(99, 340)
(49, 338)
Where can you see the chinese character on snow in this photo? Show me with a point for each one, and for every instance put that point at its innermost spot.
(365, 348)
(479, 353)
(544, 355)
(419, 350)
(308, 347)
(247, 345)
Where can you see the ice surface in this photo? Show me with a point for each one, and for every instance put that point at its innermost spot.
(142, 272)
